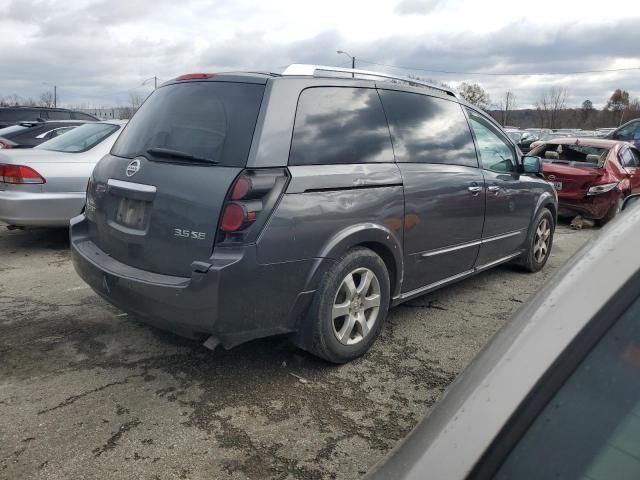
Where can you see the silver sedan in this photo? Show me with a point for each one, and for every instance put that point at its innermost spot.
(46, 186)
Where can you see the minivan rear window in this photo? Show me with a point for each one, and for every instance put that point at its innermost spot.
(210, 120)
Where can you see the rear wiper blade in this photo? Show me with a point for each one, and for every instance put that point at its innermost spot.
(170, 153)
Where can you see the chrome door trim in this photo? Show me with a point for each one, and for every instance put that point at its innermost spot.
(432, 253)
(497, 262)
(439, 251)
(501, 236)
(431, 286)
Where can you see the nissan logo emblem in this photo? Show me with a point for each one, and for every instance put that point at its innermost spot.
(133, 168)
(551, 177)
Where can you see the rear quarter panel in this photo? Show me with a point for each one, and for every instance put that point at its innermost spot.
(328, 209)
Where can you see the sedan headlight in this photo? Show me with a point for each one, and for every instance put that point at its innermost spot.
(604, 188)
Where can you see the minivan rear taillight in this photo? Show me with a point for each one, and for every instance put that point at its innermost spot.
(19, 174)
(249, 203)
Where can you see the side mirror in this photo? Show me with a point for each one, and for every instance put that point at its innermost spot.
(531, 164)
(630, 200)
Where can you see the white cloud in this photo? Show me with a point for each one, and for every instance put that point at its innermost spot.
(96, 51)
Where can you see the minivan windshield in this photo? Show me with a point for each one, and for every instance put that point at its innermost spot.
(209, 121)
(80, 139)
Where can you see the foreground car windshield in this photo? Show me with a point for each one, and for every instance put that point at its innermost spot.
(212, 121)
(589, 156)
(80, 139)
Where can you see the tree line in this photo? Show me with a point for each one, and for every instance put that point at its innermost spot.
(45, 99)
(551, 111)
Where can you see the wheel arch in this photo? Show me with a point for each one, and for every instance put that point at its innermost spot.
(375, 237)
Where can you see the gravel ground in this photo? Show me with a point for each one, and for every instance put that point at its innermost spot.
(87, 393)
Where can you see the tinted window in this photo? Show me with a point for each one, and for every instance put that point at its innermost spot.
(19, 114)
(591, 428)
(340, 125)
(630, 132)
(428, 130)
(83, 116)
(212, 120)
(628, 159)
(58, 115)
(495, 152)
(80, 139)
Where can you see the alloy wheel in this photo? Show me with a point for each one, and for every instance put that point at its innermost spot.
(542, 240)
(356, 306)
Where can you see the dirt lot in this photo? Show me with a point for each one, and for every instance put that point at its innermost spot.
(87, 393)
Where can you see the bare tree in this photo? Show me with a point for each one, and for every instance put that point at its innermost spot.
(558, 99)
(46, 99)
(618, 100)
(135, 100)
(506, 104)
(550, 104)
(474, 94)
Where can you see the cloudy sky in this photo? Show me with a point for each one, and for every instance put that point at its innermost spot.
(98, 51)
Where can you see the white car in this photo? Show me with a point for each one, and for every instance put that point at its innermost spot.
(46, 186)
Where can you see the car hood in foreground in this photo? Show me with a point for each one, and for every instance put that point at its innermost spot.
(450, 441)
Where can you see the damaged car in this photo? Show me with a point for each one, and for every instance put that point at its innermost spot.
(592, 176)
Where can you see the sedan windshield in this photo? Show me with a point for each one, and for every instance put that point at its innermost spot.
(80, 139)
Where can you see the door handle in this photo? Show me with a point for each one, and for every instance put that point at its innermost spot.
(493, 189)
(475, 189)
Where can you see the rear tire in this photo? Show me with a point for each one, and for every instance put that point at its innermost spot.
(539, 242)
(615, 209)
(349, 308)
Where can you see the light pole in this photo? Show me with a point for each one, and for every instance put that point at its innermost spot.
(155, 82)
(353, 61)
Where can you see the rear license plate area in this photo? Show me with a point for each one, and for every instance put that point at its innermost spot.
(557, 185)
(131, 213)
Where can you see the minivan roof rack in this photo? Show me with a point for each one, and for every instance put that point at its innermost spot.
(310, 70)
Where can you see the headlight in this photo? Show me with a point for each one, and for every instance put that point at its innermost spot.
(604, 188)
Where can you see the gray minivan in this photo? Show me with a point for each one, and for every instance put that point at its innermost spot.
(241, 205)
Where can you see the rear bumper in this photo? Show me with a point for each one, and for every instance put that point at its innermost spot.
(233, 298)
(33, 209)
(594, 207)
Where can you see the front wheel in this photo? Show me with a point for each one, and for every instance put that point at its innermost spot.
(539, 242)
(349, 308)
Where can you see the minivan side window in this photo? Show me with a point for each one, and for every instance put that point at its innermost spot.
(58, 115)
(427, 129)
(591, 427)
(496, 154)
(340, 125)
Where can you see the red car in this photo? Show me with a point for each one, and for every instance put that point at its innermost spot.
(592, 176)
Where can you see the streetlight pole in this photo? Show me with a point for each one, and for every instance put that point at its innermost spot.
(353, 61)
(155, 82)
